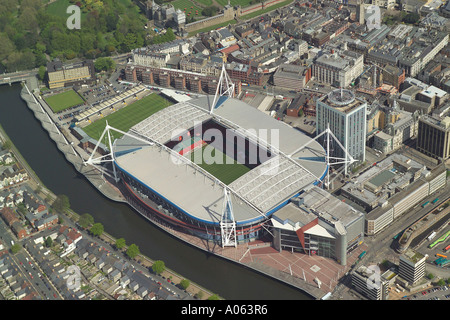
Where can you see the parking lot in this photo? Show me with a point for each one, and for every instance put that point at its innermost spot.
(436, 293)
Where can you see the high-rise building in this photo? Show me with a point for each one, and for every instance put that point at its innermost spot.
(346, 117)
(412, 266)
(433, 137)
(360, 13)
(369, 283)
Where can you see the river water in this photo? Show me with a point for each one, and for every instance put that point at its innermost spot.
(227, 279)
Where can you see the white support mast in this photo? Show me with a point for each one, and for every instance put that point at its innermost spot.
(224, 87)
(109, 157)
(330, 160)
(227, 223)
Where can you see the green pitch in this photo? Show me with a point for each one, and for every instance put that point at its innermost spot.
(64, 100)
(218, 164)
(182, 4)
(123, 119)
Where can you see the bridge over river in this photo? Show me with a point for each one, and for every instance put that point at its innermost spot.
(30, 76)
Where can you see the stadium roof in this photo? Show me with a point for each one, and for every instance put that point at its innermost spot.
(255, 194)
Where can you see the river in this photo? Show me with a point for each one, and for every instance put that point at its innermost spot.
(229, 280)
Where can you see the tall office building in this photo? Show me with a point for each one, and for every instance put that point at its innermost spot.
(360, 13)
(433, 137)
(412, 266)
(346, 117)
(370, 284)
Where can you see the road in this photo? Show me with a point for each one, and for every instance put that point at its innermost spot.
(382, 246)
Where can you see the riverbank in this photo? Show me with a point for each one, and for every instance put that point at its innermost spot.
(245, 255)
(193, 289)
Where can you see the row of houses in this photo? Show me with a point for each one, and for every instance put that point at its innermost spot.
(121, 272)
(14, 285)
(121, 275)
(35, 212)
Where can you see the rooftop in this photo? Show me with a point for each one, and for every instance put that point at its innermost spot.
(200, 194)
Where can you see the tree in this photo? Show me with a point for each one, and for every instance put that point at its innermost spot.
(7, 145)
(411, 18)
(158, 267)
(42, 71)
(48, 242)
(104, 64)
(210, 11)
(97, 229)
(214, 297)
(441, 282)
(185, 283)
(61, 203)
(120, 243)
(199, 295)
(86, 220)
(132, 251)
(15, 248)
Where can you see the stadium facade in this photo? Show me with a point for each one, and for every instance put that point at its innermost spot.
(161, 176)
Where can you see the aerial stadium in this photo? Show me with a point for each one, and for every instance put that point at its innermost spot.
(214, 167)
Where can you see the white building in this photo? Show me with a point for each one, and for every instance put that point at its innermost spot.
(338, 69)
(346, 117)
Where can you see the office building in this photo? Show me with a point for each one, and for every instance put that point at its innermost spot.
(433, 137)
(317, 223)
(412, 266)
(367, 281)
(338, 69)
(346, 117)
(293, 77)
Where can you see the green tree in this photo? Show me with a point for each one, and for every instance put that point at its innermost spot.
(120, 243)
(411, 18)
(61, 203)
(214, 297)
(158, 267)
(185, 283)
(48, 242)
(132, 251)
(97, 229)
(104, 64)
(15, 248)
(441, 282)
(42, 71)
(199, 295)
(7, 145)
(86, 220)
(210, 11)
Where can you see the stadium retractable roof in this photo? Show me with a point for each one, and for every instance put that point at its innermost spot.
(254, 195)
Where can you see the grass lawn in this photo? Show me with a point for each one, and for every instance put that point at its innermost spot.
(181, 4)
(242, 3)
(271, 8)
(206, 3)
(59, 8)
(216, 26)
(64, 100)
(123, 119)
(227, 171)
